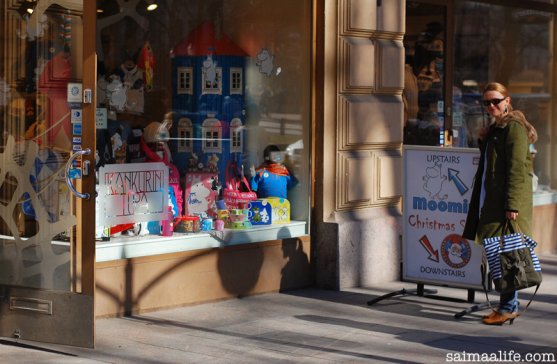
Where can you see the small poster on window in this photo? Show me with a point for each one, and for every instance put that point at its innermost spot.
(130, 193)
(200, 193)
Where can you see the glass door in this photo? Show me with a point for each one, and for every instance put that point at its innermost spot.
(47, 128)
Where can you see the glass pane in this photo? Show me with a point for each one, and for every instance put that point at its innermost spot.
(237, 70)
(40, 55)
(519, 56)
(424, 77)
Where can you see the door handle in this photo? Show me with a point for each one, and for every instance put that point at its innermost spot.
(87, 151)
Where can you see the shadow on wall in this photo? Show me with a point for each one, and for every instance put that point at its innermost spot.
(297, 271)
(240, 275)
(243, 270)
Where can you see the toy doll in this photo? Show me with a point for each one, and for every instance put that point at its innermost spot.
(272, 178)
(154, 144)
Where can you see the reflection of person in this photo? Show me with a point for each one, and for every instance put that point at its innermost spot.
(505, 188)
(425, 81)
(410, 94)
(272, 178)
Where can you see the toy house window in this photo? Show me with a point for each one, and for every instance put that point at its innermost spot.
(212, 81)
(212, 136)
(236, 81)
(185, 136)
(236, 136)
(185, 81)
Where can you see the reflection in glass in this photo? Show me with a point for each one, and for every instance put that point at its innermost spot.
(424, 74)
(40, 55)
(233, 79)
(488, 48)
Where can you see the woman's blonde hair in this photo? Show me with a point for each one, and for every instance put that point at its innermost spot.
(513, 114)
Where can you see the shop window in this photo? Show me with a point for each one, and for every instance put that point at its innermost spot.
(424, 75)
(202, 83)
(520, 57)
(185, 82)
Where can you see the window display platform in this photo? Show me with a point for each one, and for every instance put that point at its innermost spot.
(545, 197)
(125, 247)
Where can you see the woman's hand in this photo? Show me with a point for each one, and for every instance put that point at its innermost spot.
(512, 215)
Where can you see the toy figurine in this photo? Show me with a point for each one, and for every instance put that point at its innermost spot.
(272, 178)
(154, 144)
(213, 163)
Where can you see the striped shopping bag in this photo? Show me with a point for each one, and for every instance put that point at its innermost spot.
(513, 264)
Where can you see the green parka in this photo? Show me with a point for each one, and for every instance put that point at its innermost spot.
(508, 182)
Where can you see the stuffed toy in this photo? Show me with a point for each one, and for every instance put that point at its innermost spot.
(146, 62)
(154, 144)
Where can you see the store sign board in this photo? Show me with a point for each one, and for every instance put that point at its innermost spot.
(130, 193)
(437, 191)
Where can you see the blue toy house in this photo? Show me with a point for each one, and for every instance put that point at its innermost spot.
(208, 101)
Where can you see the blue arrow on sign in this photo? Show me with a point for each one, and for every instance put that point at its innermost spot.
(453, 176)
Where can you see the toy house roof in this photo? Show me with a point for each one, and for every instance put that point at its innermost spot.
(203, 41)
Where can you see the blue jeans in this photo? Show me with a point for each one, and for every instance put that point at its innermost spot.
(508, 302)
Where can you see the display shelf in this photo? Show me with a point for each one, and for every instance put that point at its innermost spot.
(545, 198)
(125, 247)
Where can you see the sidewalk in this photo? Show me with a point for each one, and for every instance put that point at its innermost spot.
(318, 326)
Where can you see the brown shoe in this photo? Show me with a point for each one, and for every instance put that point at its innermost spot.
(493, 313)
(499, 318)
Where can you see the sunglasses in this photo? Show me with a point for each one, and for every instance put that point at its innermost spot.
(493, 102)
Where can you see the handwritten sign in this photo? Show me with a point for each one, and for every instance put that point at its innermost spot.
(130, 193)
(437, 192)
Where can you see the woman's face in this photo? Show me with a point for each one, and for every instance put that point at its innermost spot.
(495, 103)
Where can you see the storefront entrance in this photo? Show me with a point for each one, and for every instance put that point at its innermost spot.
(47, 248)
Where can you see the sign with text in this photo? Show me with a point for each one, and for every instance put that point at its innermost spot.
(130, 193)
(437, 190)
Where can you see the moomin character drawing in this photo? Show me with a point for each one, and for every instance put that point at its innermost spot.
(434, 181)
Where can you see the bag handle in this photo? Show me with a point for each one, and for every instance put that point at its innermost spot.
(246, 183)
(508, 226)
(230, 175)
(235, 181)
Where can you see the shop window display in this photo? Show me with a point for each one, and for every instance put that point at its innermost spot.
(491, 42)
(424, 94)
(207, 86)
(519, 56)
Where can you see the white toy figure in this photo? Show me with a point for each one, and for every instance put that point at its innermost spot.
(117, 94)
(265, 62)
(154, 143)
(210, 71)
(158, 133)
